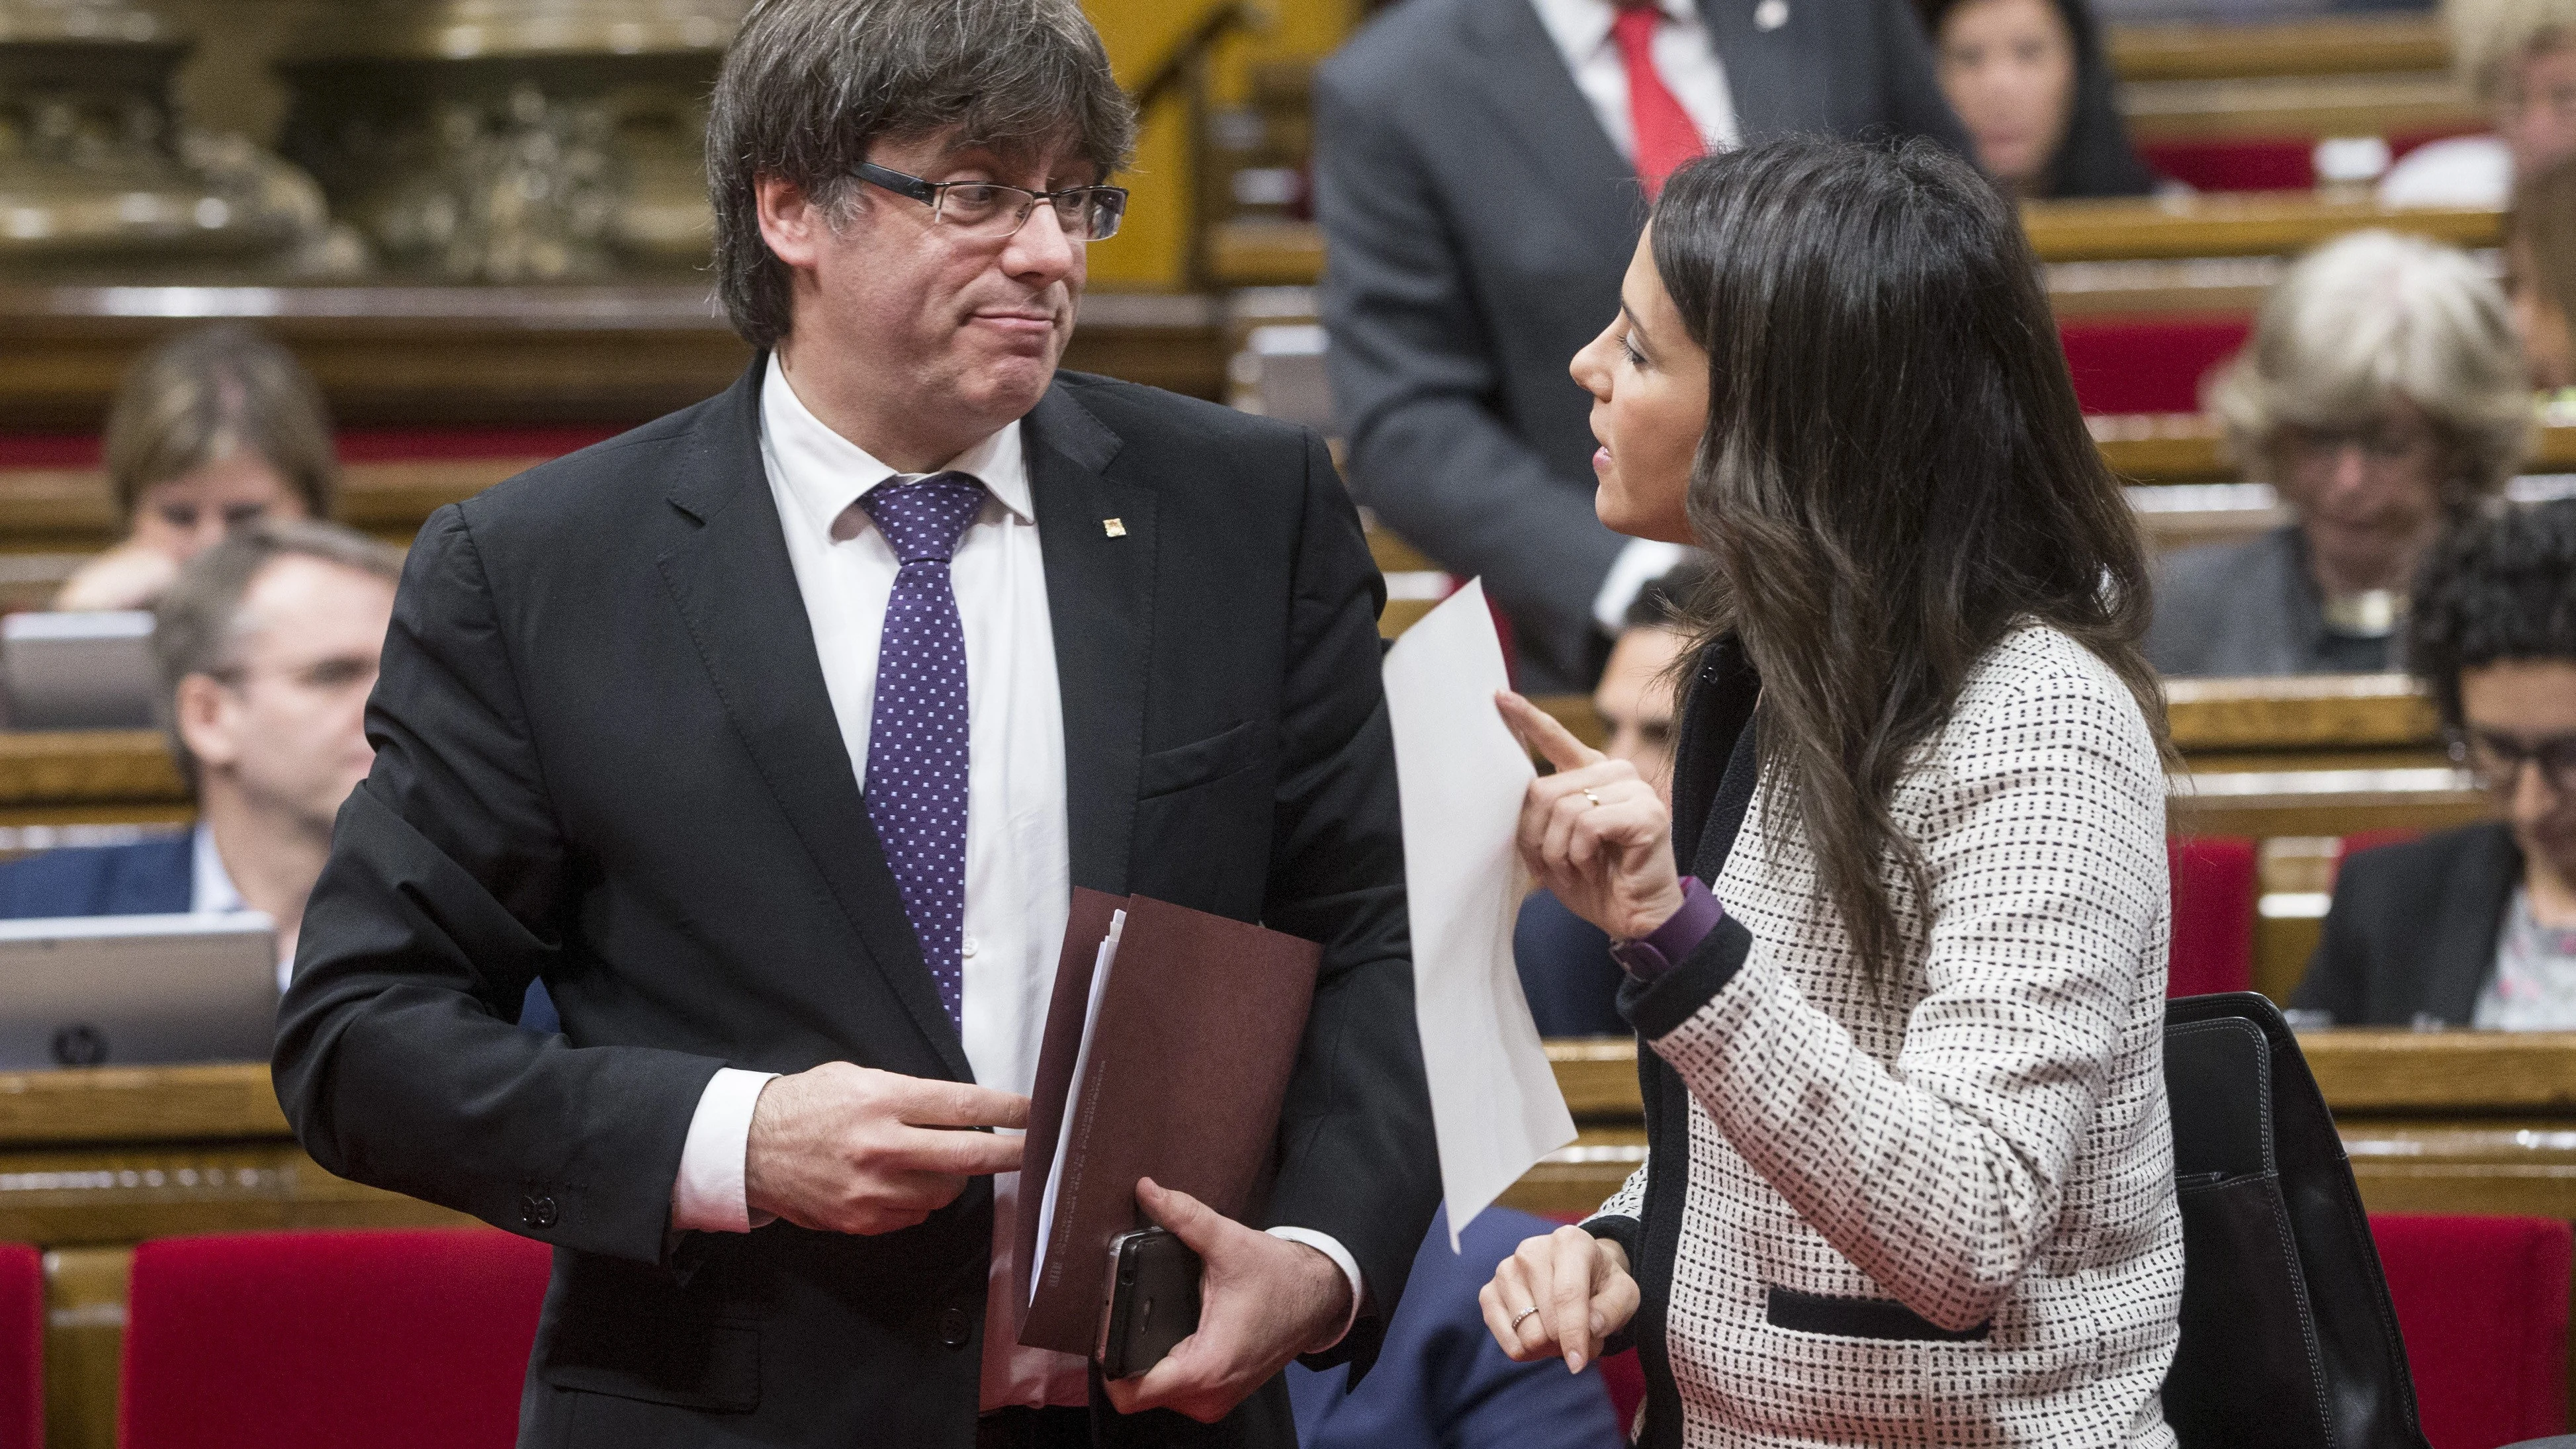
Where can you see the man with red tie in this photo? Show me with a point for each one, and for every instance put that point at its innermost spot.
(1482, 168)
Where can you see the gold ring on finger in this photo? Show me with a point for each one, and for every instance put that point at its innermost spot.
(1524, 1313)
(1596, 800)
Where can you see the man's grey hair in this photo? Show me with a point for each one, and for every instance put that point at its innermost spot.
(196, 628)
(810, 84)
(2364, 321)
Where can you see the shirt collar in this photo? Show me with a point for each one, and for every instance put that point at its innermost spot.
(825, 473)
(1581, 27)
(211, 889)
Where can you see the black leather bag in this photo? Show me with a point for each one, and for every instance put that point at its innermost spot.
(2288, 1339)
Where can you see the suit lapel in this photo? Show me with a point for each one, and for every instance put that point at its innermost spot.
(2461, 950)
(1534, 100)
(1100, 601)
(730, 575)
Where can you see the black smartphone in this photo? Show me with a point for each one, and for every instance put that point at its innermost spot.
(1153, 1301)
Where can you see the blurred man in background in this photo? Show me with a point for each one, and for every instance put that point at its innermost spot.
(1482, 169)
(267, 644)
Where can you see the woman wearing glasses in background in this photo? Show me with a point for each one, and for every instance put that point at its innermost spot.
(2477, 926)
(1910, 1174)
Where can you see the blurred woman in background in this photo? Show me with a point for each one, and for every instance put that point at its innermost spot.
(2383, 395)
(2518, 59)
(2540, 273)
(213, 429)
(2028, 79)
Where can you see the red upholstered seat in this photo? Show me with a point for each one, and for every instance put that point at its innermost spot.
(2213, 914)
(2483, 1305)
(22, 1345)
(2147, 364)
(397, 1340)
(2236, 163)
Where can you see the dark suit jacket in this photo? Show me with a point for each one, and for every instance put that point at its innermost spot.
(2413, 929)
(1443, 1382)
(605, 757)
(147, 878)
(1478, 221)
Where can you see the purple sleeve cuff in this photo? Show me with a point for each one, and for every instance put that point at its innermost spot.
(1650, 956)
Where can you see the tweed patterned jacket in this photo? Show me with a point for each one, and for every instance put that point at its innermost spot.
(1941, 1211)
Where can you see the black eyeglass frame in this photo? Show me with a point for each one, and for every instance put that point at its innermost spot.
(2555, 757)
(1109, 202)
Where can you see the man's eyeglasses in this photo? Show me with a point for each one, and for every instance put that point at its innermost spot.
(989, 211)
(2496, 760)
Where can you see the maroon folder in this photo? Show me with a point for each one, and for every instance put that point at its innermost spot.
(1197, 1033)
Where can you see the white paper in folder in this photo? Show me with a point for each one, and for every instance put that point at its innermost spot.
(1461, 776)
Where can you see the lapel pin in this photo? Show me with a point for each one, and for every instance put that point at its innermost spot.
(1771, 14)
(1115, 528)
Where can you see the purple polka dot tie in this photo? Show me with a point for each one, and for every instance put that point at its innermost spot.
(916, 789)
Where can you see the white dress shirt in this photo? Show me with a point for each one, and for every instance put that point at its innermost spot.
(1018, 870)
(1684, 57)
(1688, 63)
(211, 891)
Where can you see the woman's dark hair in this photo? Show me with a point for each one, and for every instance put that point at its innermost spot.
(2096, 157)
(2503, 587)
(1894, 473)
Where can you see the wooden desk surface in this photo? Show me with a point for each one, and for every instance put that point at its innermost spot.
(2218, 224)
(2153, 448)
(2301, 107)
(94, 1105)
(2215, 224)
(2342, 46)
(407, 354)
(2362, 1071)
(2311, 712)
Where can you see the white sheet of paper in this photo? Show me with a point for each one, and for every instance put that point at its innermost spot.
(1494, 1101)
(1100, 965)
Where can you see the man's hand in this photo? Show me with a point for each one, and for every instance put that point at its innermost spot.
(1559, 1295)
(1262, 1302)
(849, 1149)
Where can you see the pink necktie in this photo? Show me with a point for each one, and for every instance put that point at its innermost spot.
(1665, 134)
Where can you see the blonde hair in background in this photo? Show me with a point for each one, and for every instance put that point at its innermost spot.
(2489, 36)
(2365, 320)
(208, 394)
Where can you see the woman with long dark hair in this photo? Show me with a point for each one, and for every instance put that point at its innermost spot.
(1910, 1174)
(2029, 81)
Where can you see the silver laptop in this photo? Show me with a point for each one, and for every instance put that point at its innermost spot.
(134, 990)
(79, 671)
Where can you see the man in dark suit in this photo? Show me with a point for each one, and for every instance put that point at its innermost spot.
(1478, 177)
(2477, 926)
(772, 737)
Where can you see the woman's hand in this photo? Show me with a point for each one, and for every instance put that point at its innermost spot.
(1561, 1294)
(129, 576)
(1594, 834)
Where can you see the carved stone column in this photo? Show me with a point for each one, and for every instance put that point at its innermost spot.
(98, 175)
(515, 140)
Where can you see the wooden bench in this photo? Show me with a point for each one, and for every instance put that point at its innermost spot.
(1270, 253)
(2345, 45)
(2442, 1121)
(449, 355)
(94, 1160)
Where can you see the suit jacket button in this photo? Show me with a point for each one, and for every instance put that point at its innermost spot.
(537, 1209)
(954, 1329)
